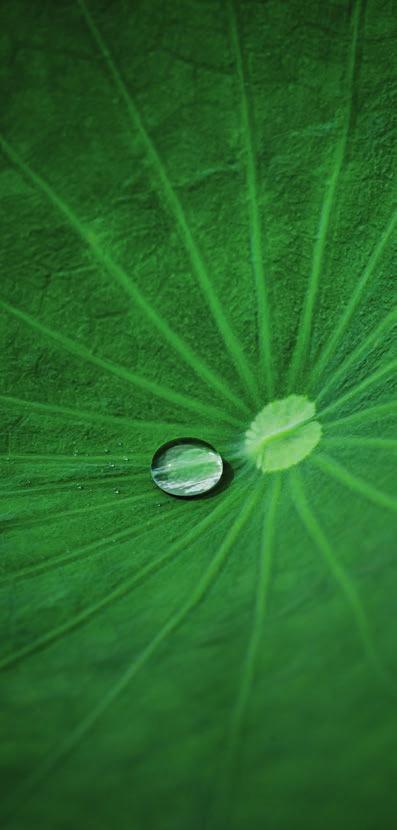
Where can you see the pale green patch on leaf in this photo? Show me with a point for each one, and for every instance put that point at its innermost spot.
(282, 434)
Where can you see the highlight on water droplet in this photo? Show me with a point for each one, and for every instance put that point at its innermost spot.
(186, 467)
(282, 434)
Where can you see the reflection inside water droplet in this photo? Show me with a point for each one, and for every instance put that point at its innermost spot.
(186, 467)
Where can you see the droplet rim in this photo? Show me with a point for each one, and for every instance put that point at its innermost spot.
(186, 440)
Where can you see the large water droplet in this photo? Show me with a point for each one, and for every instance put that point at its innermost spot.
(186, 467)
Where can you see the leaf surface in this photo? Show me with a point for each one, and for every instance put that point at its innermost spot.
(198, 213)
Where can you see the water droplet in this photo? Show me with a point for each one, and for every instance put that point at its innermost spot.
(117, 492)
(186, 467)
(79, 486)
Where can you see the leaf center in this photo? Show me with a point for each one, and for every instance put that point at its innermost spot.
(282, 434)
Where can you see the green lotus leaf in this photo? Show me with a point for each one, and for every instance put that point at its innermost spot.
(198, 223)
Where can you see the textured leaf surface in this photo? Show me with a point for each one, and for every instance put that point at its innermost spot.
(198, 213)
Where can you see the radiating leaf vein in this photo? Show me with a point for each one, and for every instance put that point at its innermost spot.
(353, 483)
(74, 738)
(198, 264)
(366, 414)
(341, 326)
(338, 571)
(361, 350)
(125, 281)
(257, 255)
(387, 369)
(79, 350)
(305, 327)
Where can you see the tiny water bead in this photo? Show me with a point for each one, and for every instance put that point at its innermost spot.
(282, 434)
(186, 467)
